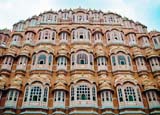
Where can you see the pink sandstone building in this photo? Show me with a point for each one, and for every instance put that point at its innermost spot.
(79, 62)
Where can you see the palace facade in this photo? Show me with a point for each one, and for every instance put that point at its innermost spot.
(79, 62)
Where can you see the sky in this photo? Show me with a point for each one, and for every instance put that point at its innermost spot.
(145, 11)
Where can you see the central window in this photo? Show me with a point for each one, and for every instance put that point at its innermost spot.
(82, 58)
(121, 60)
(83, 92)
(35, 93)
(42, 59)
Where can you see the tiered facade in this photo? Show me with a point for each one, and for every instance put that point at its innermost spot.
(79, 61)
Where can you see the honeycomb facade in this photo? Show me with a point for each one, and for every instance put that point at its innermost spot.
(79, 61)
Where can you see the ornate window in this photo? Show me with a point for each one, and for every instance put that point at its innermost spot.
(121, 60)
(33, 22)
(152, 99)
(102, 63)
(12, 98)
(48, 18)
(156, 42)
(113, 60)
(111, 19)
(50, 59)
(34, 59)
(80, 18)
(22, 60)
(81, 35)
(154, 63)
(82, 58)
(97, 38)
(96, 17)
(7, 63)
(132, 39)
(141, 65)
(129, 95)
(36, 95)
(16, 40)
(106, 99)
(83, 92)
(22, 63)
(42, 59)
(3, 40)
(63, 37)
(72, 93)
(145, 42)
(59, 96)
(29, 37)
(65, 16)
(62, 63)
(115, 37)
(120, 94)
(47, 36)
(59, 99)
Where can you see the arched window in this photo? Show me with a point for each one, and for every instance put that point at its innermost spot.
(120, 94)
(130, 94)
(82, 58)
(121, 60)
(42, 59)
(94, 93)
(45, 95)
(83, 92)
(26, 94)
(35, 93)
(81, 34)
(72, 93)
(50, 59)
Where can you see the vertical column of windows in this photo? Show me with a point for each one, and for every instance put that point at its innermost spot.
(139, 95)
(120, 95)
(113, 60)
(72, 93)
(94, 93)
(26, 94)
(45, 95)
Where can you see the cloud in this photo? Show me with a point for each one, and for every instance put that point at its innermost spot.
(145, 11)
